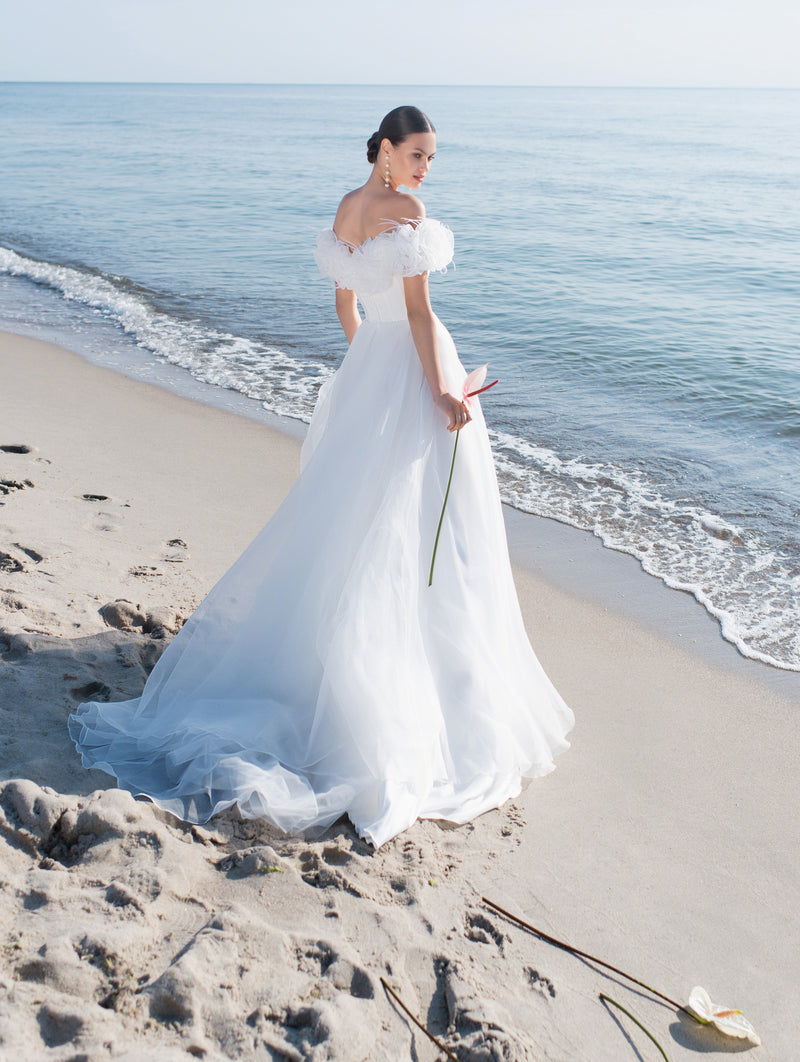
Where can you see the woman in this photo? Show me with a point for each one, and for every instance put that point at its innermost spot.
(323, 675)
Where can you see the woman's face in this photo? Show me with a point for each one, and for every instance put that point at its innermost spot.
(410, 160)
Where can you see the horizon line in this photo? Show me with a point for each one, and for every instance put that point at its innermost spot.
(399, 84)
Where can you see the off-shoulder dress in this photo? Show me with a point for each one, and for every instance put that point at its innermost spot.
(322, 676)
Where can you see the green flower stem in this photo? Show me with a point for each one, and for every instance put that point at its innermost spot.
(635, 1020)
(585, 955)
(444, 506)
(418, 1023)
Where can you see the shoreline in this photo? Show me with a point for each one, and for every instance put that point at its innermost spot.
(572, 559)
(659, 843)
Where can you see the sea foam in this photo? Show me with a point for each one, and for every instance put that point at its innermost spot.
(283, 384)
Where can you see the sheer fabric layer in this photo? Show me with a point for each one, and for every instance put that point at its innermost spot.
(321, 675)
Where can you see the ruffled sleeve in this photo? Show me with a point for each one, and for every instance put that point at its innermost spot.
(407, 249)
(337, 260)
(424, 247)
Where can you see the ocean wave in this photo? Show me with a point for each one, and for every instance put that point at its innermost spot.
(751, 586)
(283, 384)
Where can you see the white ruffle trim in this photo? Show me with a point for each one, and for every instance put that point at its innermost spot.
(405, 250)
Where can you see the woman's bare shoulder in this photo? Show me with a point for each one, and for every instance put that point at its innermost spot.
(361, 215)
(405, 207)
(346, 206)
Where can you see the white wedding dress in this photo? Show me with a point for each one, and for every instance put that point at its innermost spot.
(322, 676)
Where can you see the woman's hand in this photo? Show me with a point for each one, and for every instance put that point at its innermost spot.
(456, 411)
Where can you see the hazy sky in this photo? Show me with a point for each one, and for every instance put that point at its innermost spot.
(537, 42)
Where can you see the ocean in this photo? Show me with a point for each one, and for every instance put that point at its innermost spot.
(626, 262)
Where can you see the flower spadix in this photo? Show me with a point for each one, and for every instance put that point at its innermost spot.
(728, 1021)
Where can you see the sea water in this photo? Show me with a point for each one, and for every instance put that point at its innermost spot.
(626, 262)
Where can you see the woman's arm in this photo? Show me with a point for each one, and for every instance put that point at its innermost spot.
(347, 312)
(423, 329)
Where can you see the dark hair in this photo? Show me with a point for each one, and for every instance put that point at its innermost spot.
(397, 126)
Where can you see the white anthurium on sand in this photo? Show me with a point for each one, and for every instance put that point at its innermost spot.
(730, 1022)
(699, 1007)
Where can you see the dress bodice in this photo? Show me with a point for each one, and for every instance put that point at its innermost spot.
(375, 268)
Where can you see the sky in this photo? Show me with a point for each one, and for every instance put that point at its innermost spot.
(416, 42)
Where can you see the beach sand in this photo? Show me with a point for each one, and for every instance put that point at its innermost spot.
(665, 842)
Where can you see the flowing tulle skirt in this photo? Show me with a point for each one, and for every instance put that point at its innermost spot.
(322, 675)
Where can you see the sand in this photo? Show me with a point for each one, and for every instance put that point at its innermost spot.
(665, 842)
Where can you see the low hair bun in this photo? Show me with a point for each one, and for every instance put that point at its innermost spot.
(396, 127)
(373, 146)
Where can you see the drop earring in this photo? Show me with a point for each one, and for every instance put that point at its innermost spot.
(386, 183)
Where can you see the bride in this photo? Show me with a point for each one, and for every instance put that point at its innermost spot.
(326, 674)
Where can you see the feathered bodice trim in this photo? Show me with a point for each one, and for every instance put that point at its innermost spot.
(406, 250)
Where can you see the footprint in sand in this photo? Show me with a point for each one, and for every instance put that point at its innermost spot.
(541, 984)
(479, 928)
(92, 691)
(10, 564)
(479, 1026)
(514, 825)
(345, 865)
(320, 959)
(317, 872)
(175, 551)
(145, 571)
(8, 486)
(101, 520)
(105, 522)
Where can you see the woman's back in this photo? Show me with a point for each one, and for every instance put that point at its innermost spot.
(367, 212)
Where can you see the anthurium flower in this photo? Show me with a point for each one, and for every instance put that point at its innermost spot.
(729, 1022)
(699, 1007)
(473, 385)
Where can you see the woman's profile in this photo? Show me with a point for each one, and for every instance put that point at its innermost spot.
(322, 675)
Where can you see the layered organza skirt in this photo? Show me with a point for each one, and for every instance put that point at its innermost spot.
(322, 676)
